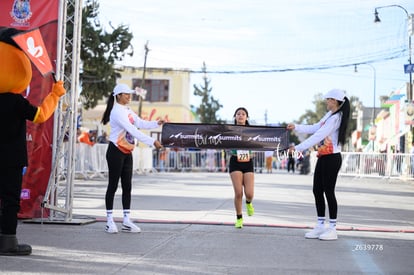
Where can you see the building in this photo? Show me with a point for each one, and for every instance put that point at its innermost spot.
(363, 137)
(392, 129)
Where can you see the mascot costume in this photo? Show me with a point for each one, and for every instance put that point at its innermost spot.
(15, 77)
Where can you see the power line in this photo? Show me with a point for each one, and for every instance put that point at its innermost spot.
(281, 70)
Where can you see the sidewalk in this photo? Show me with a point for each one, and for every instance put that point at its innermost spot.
(187, 222)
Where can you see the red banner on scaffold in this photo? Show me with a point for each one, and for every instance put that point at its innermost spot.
(224, 136)
(30, 15)
(32, 44)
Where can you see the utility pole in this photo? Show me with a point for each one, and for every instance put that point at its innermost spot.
(143, 78)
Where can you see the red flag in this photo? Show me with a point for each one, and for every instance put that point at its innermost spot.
(34, 47)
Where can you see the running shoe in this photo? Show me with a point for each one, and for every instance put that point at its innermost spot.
(250, 209)
(130, 227)
(111, 227)
(239, 223)
(329, 235)
(315, 233)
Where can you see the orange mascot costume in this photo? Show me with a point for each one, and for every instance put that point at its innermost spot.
(15, 77)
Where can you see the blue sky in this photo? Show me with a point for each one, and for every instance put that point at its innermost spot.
(289, 41)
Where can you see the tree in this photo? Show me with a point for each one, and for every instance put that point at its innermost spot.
(98, 52)
(209, 105)
(311, 117)
(352, 123)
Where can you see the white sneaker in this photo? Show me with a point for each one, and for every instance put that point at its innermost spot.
(111, 227)
(315, 233)
(329, 235)
(130, 227)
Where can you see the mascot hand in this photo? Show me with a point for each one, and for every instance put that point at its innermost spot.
(58, 88)
(48, 106)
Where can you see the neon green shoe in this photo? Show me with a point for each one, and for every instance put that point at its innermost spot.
(250, 209)
(239, 223)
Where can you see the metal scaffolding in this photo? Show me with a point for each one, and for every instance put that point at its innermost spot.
(58, 198)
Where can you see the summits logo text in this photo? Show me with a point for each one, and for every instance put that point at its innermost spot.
(265, 139)
(200, 139)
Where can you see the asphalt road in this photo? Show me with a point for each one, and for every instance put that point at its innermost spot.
(187, 222)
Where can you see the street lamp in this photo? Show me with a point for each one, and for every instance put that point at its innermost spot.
(375, 87)
(410, 33)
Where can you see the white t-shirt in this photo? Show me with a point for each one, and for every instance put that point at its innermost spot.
(123, 120)
(325, 132)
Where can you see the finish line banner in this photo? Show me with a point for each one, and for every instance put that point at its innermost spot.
(224, 136)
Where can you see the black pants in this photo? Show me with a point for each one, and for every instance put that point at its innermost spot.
(291, 165)
(119, 166)
(324, 181)
(10, 189)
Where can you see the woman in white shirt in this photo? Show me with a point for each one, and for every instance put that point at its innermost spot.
(330, 134)
(124, 130)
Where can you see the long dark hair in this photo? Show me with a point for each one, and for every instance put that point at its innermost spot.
(345, 108)
(247, 114)
(109, 106)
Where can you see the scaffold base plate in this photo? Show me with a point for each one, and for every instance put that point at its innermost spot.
(76, 221)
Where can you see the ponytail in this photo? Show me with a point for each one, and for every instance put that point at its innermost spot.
(109, 106)
(344, 108)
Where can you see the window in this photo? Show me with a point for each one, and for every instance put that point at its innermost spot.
(157, 89)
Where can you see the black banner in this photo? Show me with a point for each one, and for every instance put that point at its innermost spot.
(224, 136)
